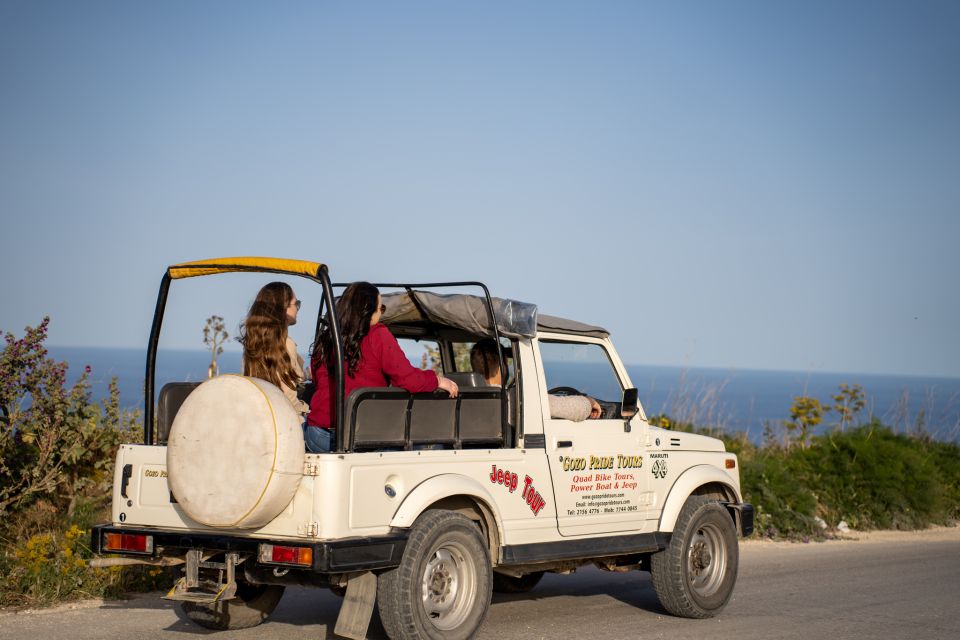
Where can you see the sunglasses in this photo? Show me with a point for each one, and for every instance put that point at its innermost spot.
(297, 304)
(383, 308)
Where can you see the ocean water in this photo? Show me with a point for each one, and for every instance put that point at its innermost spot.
(736, 400)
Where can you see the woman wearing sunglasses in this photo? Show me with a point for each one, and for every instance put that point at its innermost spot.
(372, 358)
(269, 352)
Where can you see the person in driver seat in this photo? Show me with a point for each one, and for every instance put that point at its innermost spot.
(485, 361)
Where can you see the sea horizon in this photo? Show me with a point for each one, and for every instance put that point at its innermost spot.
(732, 399)
(734, 368)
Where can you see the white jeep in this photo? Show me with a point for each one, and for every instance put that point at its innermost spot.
(429, 503)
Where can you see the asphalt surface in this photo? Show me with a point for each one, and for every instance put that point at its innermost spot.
(897, 586)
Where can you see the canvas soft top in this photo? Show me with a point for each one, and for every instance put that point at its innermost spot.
(562, 325)
(515, 319)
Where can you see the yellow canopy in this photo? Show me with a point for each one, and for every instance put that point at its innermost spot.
(226, 265)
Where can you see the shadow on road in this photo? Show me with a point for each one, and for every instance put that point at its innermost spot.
(319, 608)
(632, 588)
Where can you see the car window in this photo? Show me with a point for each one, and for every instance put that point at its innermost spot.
(580, 366)
(461, 357)
(423, 354)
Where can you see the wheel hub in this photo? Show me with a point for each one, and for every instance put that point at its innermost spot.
(706, 560)
(701, 558)
(441, 583)
(448, 586)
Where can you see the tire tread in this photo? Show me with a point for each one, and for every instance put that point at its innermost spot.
(667, 566)
(398, 617)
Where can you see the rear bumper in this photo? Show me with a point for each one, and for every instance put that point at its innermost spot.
(329, 557)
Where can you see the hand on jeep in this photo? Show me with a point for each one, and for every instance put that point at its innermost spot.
(596, 411)
(448, 385)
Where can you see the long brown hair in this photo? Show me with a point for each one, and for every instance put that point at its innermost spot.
(264, 337)
(354, 309)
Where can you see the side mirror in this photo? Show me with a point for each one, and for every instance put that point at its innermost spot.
(630, 405)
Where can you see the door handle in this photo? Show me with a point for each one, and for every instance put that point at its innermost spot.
(563, 444)
(125, 479)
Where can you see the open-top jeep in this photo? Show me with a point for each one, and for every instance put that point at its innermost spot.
(428, 503)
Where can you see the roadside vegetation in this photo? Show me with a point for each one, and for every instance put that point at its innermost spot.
(851, 475)
(57, 450)
(864, 478)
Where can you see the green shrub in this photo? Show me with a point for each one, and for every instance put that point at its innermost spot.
(55, 444)
(868, 477)
(57, 451)
(53, 565)
(774, 483)
(875, 479)
(946, 456)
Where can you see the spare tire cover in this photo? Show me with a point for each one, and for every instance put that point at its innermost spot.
(235, 453)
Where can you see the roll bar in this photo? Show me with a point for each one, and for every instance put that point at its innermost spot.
(312, 271)
(228, 265)
(491, 315)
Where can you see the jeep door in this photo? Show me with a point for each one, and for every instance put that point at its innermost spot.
(600, 485)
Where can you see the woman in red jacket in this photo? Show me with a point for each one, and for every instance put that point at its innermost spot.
(372, 358)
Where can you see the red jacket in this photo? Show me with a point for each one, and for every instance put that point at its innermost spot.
(382, 363)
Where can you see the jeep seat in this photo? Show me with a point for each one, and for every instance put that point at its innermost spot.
(389, 418)
(376, 417)
(466, 378)
(171, 399)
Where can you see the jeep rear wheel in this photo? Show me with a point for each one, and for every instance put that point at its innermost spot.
(252, 605)
(694, 576)
(442, 587)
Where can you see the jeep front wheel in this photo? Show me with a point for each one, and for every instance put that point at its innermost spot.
(442, 587)
(694, 576)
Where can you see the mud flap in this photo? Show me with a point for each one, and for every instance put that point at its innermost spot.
(357, 607)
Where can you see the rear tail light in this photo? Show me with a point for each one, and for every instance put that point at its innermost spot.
(128, 542)
(281, 554)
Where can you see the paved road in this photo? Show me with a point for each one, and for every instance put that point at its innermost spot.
(896, 587)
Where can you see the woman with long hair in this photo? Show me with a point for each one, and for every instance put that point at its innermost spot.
(372, 358)
(269, 352)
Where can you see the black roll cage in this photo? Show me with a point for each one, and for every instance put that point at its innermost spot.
(321, 277)
(491, 315)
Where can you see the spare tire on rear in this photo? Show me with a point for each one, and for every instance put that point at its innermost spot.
(235, 453)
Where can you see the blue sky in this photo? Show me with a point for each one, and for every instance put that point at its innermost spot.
(724, 184)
